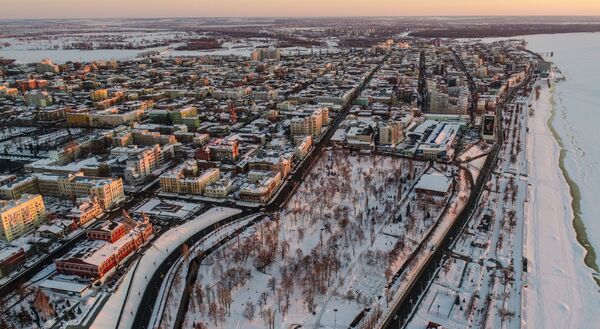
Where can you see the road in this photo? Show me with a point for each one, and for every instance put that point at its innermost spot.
(405, 306)
(144, 312)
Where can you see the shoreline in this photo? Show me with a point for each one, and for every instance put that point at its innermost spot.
(557, 290)
(590, 257)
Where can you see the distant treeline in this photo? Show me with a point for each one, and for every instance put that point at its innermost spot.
(201, 44)
(502, 30)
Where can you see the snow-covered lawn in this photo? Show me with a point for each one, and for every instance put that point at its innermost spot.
(325, 257)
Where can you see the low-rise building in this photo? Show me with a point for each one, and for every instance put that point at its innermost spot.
(261, 186)
(85, 211)
(219, 189)
(224, 151)
(94, 258)
(11, 257)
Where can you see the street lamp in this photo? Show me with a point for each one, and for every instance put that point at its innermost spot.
(335, 318)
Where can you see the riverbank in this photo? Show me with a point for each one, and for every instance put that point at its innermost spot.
(580, 231)
(560, 291)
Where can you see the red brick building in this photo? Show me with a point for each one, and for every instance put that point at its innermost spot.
(94, 258)
(109, 231)
(11, 258)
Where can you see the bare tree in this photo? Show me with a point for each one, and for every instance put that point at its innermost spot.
(249, 311)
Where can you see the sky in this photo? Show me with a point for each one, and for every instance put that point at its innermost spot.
(14, 9)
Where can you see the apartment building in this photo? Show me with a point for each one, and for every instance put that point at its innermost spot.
(46, 66)
(309, 125)
(261, 186)
(85, 211)
(108, 191)
(187, 179)
(113, 117)
(304, 145)
(281, 164)
(98, 95)
(21, 216)
(390, 133)
(13, 189)
(146, 138)
(224, 151)
(38, 98)
(262, 54)
(141, 162)
(219, 189)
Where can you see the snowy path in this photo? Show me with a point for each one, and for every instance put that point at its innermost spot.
(562, 292)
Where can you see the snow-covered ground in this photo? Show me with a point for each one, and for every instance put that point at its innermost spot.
(561, 292)
(474, 158)
(125, 301)
(327, 257)
(480, 283)
(166, 306)
(525, 213)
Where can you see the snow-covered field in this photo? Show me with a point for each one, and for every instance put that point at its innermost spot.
(327, 256)
(561, 292)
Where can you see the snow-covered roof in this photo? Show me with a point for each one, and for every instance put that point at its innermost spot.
(73, 287)
(434, 182)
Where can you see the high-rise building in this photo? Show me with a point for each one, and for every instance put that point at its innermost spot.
(390, 133)
(308, 125)
(21, 216)
(261, 54)
(46, 66)
(37, 98)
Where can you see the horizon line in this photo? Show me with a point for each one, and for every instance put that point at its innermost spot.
(300, 17)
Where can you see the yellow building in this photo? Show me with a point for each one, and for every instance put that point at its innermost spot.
(185, 179)
(99, 95)
(21, 216)
(108, 191)
(219, 189)
(78, 118)
(309, 125)
(14, 189)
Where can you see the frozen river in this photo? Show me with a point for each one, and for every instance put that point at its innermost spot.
(575, 123)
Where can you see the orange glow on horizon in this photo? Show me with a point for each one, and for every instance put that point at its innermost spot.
(291, 8)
